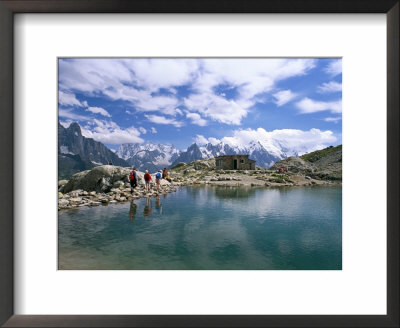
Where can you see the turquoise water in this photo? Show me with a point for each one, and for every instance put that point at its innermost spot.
(212, 228)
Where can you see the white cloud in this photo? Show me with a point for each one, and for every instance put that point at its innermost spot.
(329, 87)
(196, 119)
(90, 75)
(163, 73)
(159, 103)
(332, 119)
(66, 123)
(153, 129)
(98, 110)
(200, 140)
(68, 99)
(111, 133)
(334, 67)
(178, 111)
(142, 130)
(68, 113)
(283, 97)
(163, 120)
(217, 108)
(308, 105)
(135, 81)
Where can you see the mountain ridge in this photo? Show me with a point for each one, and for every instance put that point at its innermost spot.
(77, 153)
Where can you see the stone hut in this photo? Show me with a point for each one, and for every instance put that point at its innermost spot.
(235, 162)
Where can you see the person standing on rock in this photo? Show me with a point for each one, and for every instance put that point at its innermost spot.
(147, 179)
(164, 173)
(158, 179)
(133, 179)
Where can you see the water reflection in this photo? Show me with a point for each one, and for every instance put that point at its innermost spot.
(234, 192)
(158, 205)
(147, 207)
(208, 228)
(132, 211)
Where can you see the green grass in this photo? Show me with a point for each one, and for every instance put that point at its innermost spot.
(179, 169)
(280, 178)
(317, 155)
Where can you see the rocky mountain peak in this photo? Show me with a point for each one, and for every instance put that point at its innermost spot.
(75, 129)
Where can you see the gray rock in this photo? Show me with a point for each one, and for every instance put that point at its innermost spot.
(62, 182)
(63, 202)
(118, 184)
(101, 178)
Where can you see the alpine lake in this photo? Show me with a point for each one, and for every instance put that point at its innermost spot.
(208, 228)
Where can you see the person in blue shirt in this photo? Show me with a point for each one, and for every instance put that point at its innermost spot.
(158, 179)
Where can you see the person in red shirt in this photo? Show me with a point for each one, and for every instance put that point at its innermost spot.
(147, 179)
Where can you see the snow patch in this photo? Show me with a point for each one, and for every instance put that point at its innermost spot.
(65, 150)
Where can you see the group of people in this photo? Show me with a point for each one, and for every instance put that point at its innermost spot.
(161, 174)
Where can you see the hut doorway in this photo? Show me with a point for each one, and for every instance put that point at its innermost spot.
(235, 162)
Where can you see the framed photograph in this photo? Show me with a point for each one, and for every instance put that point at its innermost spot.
(214, 164)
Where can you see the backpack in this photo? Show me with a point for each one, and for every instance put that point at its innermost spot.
(158, 175)
(147, 177)
(132, 176)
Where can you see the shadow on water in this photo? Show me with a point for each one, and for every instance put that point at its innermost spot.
(208, 227)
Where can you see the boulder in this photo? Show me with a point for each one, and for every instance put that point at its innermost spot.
(62, 182)
(101, 179)
(118, 184)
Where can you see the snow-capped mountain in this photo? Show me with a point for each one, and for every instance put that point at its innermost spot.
(264, 153)
(150, 157)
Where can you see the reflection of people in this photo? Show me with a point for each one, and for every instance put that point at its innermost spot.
(158, 180)
(133, 179)
(158, 204)
(147, 208)
(147, 179)
(132, 211)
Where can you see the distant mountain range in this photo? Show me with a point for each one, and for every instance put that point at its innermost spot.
(264, 155)
(153, 157)
(77, 153)
(149, 156)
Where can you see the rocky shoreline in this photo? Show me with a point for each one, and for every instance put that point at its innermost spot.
(106, 184)
(79, 198)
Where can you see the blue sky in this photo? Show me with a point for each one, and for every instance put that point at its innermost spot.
(180, 101)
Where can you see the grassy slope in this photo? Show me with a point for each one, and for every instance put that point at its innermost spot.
(317, 155)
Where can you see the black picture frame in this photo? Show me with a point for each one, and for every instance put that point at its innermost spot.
(10, 7)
